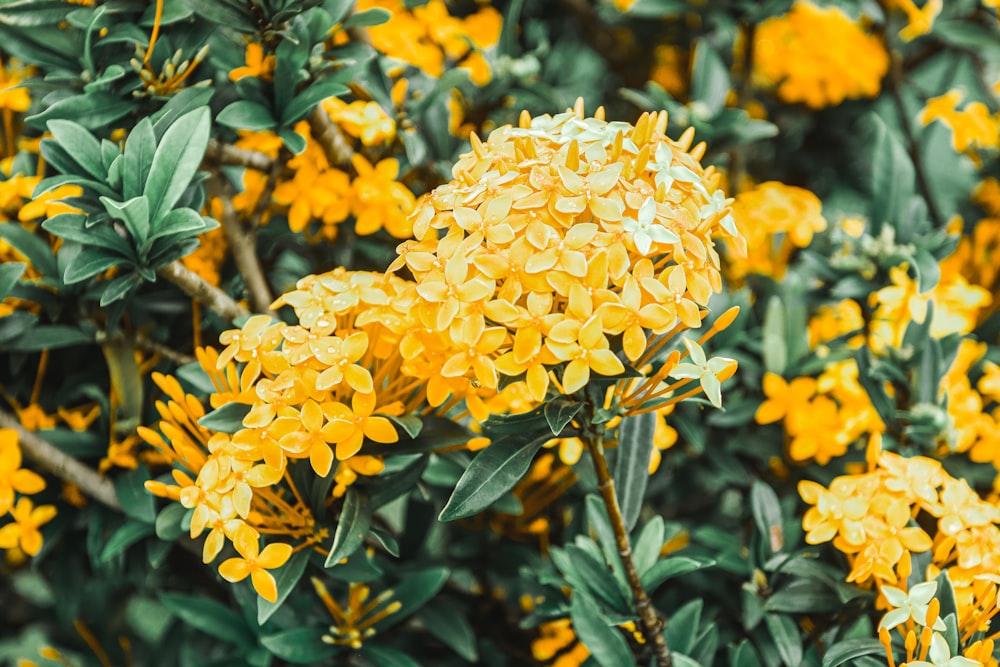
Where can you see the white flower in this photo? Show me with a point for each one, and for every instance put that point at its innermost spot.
(667, 174)
(940, 655)
(704, 370)
(912, 605)
(645, 228)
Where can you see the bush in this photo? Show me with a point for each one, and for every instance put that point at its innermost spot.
(645, 332)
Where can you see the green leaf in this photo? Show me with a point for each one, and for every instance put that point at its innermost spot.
(286, 578)
(386, 539)
(682, 627)
(493, 472)
(81, 146)
(587, 572)
(647, 547)
(413, 592)
(386, 489)
(32, 13)
(774, 346)
(410, 424)
(559, 412)
(875, 389)
(140, 146)
(246, 115)
(10, 272)
(600, 524)
(352, 528)
(210, 617)
(849, 649)
(120, 287)
(892, 176)
(709, 77)
(134, 213)
(804, 596)
(181, 221)
(605, 644)
(787, 637)
(294, 141)
(34, 248)
(383, 656)
(631, 473)
(300, 646)
(928, 271)
(128, 534)
(766, 511)
(303, 103)
(368, 18)
(73, 227)
(176, 161)
(93, 110)
(946, 594)
(87, 264)
(136, 501)
(669, 568)
(179, 104)
(51, 337)
(227, 419)
(168, 521)
(445, 620)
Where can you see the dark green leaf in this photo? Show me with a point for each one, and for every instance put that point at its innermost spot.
(286, 578)
(787, 637)
(294, 141)
(210, 617)
(767, 515)
(92, 110)
(181, 221)
(559, 412)
(388, 488)
(669, 568)
(368, 18)
(120, 287)
(73, 227)
(410, 424)
(352, 527)
(446, 621)
(709, 77)
(303, 103)
(299, 646)
(606, 644)
(168, 521)
(631, 473)
(493, 472)
(386, 539)
(682, 626)
(80, 144)
(804, 596)
(140, 146)
(128, 534)
(9, 274)
(849, 649)
(136, 501)
(892, 176)
(246, 115)
(227, 419)
(87, 264)
(51, 337)
(32, 13)
(413, 592)
(33, 247)
(383, 656)
(134, 213)
(176, 161)
(647, 547)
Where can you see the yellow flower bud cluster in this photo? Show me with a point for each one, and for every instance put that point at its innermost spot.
(818, 56)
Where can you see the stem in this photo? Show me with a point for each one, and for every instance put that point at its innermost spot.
(243, 245)
(197, 288)
(227, 154)
(649, 619)
(65, 467)
(329, 137)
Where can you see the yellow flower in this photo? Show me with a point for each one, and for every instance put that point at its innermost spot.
(365, 120)
(920, 19)
(380, 201)
(12, 476)
(818, 56)
(13, 96)
(348, 427)
(972, 127)
(258, 64)
(255, 563)
(783, 398)
(23, 533)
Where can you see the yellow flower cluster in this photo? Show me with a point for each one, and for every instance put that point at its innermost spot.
(776, 219)
(920, 20)
(973, 127)
(21, 535)
(878, 520)
(430, 38)
(363, 120)
(822, 416)
(818, 56)
(561, 233)
(973, 410)
(328, 195)
(956, 306)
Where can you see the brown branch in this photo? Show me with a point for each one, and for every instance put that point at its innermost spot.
(242, 241)
(331, 139)
(205, 293)
(141, 341)
(649, 619)
(227, 154)
(51, 459)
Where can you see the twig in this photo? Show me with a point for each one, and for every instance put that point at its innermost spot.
(227, 154)
(242, 241)
(143, 342)
(327, 134)
(649, 620)
(197, 288)
(52, 459)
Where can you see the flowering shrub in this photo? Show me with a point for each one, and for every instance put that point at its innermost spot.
(632, 332)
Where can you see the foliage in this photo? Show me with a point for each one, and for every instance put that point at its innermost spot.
(625, 332)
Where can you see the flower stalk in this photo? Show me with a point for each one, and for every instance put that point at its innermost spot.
(649, 619)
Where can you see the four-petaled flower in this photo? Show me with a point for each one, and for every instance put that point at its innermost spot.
(940, 656)
(24, 531)
(706, 371)
(910, 605)
(646, 229)
(255, 563)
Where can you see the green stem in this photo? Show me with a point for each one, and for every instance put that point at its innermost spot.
(649, 620)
